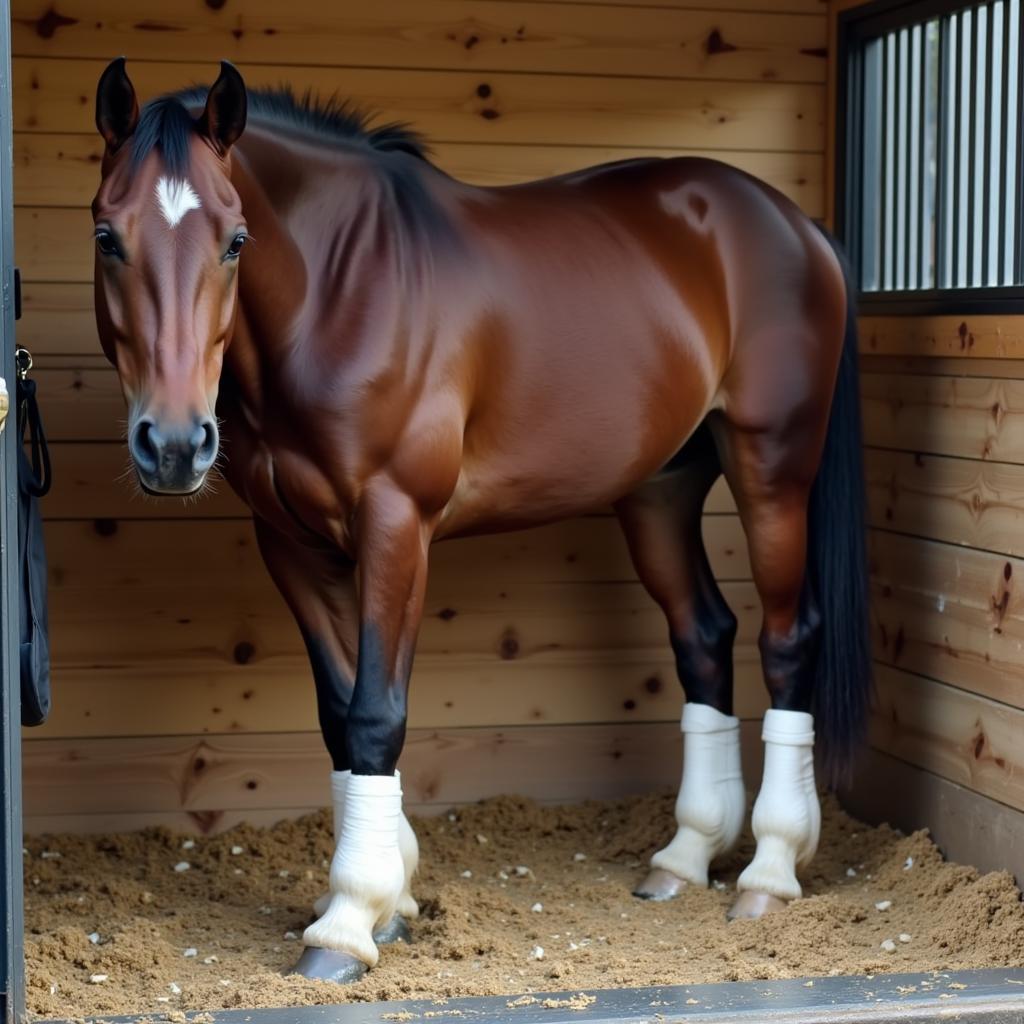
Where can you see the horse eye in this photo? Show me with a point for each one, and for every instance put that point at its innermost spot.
(106, 243)
(235, 247)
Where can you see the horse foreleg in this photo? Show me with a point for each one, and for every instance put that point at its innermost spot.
(368, 875)
(320, 589)
(662, 522)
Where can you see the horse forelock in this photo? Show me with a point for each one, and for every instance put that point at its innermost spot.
(165, 124)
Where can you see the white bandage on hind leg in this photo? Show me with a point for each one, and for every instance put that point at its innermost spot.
(711, 802)
(367, 874)
(787, 816)
(407, 845)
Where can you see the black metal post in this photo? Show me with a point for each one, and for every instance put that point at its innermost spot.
(12, 960)
(1004, 136)
(1018, 181)
(986, 197)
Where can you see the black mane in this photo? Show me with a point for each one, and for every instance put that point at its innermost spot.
(167, 124)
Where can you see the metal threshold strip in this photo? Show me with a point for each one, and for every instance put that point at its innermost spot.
(991, 996)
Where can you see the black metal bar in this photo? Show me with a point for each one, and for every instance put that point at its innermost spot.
(935, 302)
(939, 211)
(899, 140)
(1004, 142)
(955, 151)
(857, 152)
(883, 189)
(12, 956)
(922, 156)
(1018, 179)
(986, 194)
(906, 147)
(972, 144)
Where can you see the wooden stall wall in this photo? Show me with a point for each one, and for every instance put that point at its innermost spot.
(943, 404)
(181, 692)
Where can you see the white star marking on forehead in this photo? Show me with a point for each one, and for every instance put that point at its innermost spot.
(176, 198)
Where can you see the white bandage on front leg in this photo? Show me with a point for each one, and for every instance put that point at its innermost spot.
(410, 850)
(787, 815)
(339, 785)
(367, 874)
(407, 845)
(711, 803)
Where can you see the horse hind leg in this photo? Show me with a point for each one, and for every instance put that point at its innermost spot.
(662, 523)
(770, 473)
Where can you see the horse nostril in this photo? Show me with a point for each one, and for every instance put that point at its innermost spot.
(206, 449)
(144, 446)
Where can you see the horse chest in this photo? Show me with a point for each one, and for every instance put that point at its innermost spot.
(286, 488)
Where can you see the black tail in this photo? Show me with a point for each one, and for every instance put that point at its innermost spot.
(837, 565)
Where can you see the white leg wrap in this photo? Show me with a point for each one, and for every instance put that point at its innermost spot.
(787, 816)
(407, 845)
(339, 784)
(367, 874)
(410, 851)
(711, 802)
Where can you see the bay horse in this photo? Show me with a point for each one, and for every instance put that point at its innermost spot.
(391, 357)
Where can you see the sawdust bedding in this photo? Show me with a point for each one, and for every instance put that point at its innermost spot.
(516, 898)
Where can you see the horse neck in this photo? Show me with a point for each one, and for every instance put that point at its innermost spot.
(313, 244)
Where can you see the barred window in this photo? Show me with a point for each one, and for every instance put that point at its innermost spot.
(929, 162)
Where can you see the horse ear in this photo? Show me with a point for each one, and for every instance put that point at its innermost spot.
(223, 120)
(117, 109)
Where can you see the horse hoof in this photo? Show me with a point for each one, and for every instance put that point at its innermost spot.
(329, 965)
(755, 904)
(396, 930)
(660, 885)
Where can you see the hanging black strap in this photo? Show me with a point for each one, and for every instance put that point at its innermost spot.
(33, 482)
(37, 481)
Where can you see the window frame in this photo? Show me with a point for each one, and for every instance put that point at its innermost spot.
(854, 26)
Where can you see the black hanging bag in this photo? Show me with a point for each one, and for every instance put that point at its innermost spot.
(33, 484)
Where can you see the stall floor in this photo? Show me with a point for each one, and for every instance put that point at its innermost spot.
(516, 898)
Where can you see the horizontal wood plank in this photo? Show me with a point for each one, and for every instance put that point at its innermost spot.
(206, 777)
(554, 614)
(772, 6)
(58, 319)
(500, 35)
(941, 366)
(200, 823)
(166, 555)
(819, 7)
(972, 417)
(447, 691)
(967, 827)
(951, 337)
(63, 170)
(451, 106)
(952, 614)
(959, 501)
(959, 736)
(95, 481)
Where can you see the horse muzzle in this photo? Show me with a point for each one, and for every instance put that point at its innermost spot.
(173, 459)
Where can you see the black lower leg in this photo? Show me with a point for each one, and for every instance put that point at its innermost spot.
(789, 659)
(376, 720)
(703, 648)
(333, 696)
